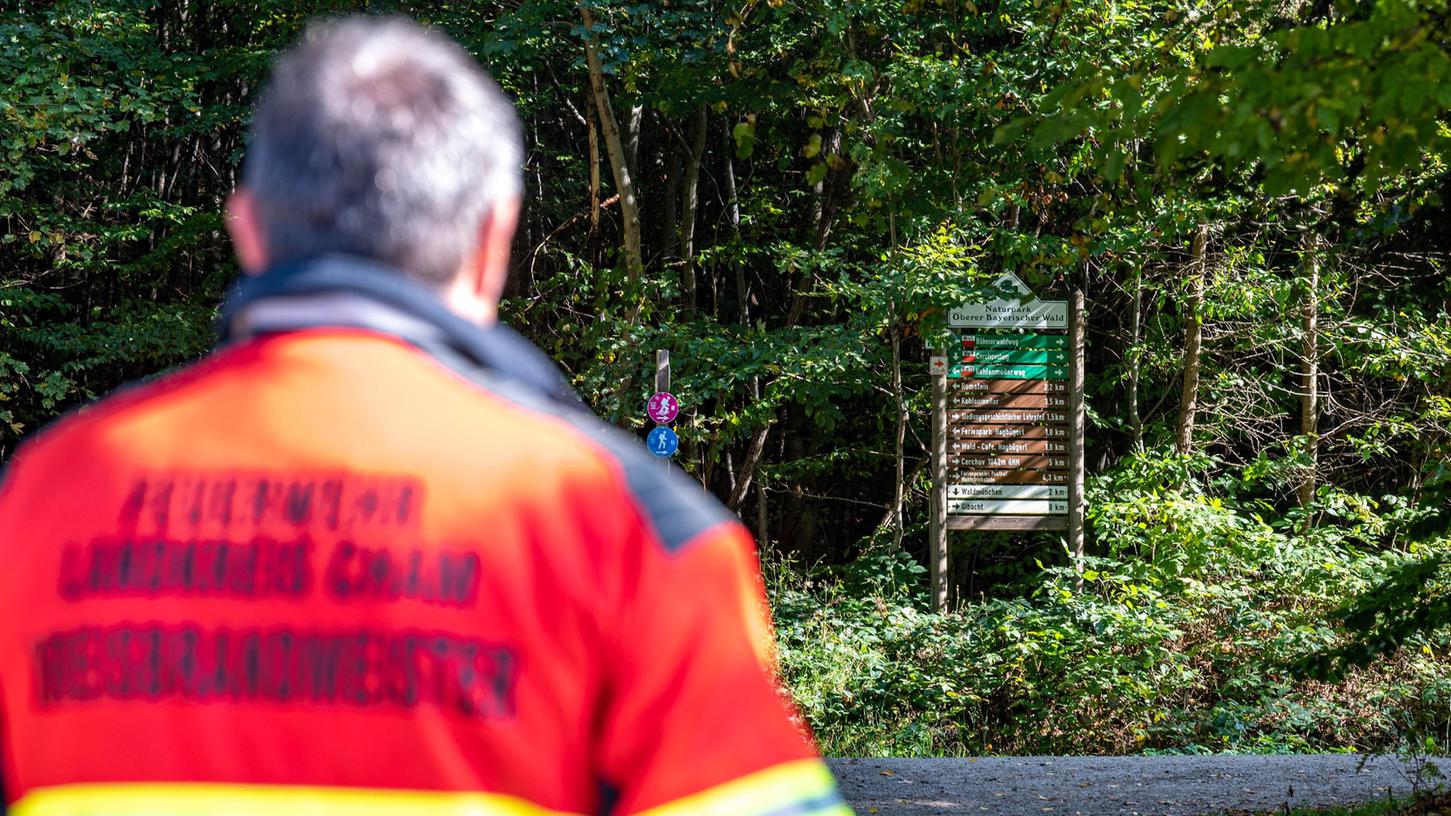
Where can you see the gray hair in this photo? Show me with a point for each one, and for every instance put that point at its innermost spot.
(382, 138)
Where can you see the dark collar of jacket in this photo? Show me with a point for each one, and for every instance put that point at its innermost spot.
(349, 291)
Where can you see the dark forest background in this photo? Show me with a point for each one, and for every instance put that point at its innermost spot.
(787, 194)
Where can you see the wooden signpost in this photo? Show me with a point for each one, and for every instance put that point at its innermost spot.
(1007, 423)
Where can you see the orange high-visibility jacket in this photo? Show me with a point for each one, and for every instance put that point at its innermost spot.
(365, 558)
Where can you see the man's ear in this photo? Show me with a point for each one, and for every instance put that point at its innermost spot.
(496, 235)
(475, 290)
(246, 230)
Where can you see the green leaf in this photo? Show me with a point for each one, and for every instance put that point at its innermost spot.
(744, 134)
(1113, 164)
(1012, 130)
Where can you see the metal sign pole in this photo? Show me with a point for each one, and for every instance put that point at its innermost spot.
(662, 370)
(662, 384)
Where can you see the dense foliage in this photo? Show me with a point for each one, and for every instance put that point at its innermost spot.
(1251, 195)
(1187, 638)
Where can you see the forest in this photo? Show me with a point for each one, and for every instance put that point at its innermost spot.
(787, 195)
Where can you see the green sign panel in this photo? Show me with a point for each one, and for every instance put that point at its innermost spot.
(1040, 357)
(1016, 341)
(1009, 372)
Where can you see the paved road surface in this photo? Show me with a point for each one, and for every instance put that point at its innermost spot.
(1114, 786)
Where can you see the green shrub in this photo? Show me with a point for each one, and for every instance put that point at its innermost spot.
(1183, 635)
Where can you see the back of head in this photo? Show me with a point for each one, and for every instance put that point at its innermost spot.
(381, 138)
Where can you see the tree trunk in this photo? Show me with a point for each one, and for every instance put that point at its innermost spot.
(748, 467)
(632, 138)
(763, 516)
(1193, 338)
(758, 443)
(821, 211)
(691, 200)
(669, 201)
(594, 178)
(619, 165)
(1310, 376)
(763, 512)
(899, 497)
(821, 215)
(733, 209)
(1135, 363)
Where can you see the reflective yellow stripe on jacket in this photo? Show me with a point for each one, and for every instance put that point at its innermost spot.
(188, 799)
(802, 788)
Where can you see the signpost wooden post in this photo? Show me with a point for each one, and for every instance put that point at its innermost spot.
(938, 522)
(1075, 430)
(1007, 425)
(662, 408)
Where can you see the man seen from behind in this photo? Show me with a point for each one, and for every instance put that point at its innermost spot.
(372, 555)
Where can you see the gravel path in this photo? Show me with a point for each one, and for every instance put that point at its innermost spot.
(1115, 786)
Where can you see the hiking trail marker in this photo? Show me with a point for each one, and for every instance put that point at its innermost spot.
(663, 442)
(663, 408)
(1007, 422)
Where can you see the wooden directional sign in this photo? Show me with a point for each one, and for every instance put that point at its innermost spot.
(1008, 422)
(1006, 477)
(1006, 461)
(989, 400)
(1009, 491)
(1014, 341)
(1015, 356)
(1011, 417)
(1031, 507)
(1009, 371)
(982, 386)
(1036, 447)
(966, 431)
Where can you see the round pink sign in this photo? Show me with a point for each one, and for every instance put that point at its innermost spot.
(663, 407)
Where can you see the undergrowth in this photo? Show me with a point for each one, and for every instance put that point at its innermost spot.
(1184, 634)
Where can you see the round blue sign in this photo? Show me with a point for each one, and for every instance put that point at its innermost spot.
(662, 442)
